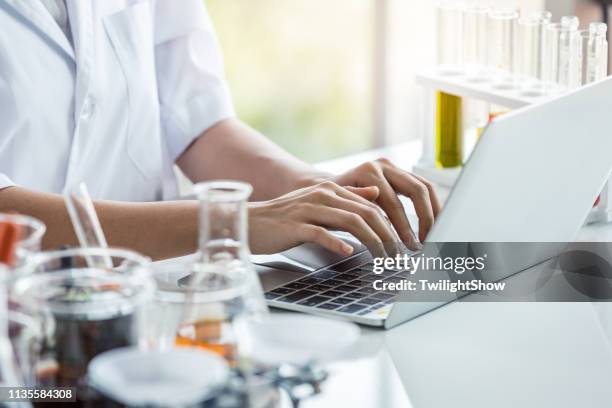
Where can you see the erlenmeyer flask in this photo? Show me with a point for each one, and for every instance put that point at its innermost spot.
(223, 237)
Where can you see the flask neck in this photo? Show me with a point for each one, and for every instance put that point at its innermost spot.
(223, 221)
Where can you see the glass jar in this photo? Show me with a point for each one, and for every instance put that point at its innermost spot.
(84, 310)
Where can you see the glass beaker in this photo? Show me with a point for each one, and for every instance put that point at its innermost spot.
(475, 19)
(25, 235)
(502, 47)
(85, 310)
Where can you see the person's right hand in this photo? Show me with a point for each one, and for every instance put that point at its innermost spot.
(305, 215)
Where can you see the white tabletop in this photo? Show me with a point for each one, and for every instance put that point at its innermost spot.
(478, 354)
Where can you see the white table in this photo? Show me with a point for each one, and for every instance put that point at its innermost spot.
(477, 354)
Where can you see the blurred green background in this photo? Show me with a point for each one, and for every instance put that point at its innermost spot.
(300, 71)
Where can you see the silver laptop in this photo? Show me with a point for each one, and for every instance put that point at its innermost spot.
(533, 177)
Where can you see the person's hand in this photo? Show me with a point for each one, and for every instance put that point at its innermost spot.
(305, 215)
(391, 181)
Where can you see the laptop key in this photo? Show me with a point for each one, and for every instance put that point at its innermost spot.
(344, 300)
(332, 293)
(346, 288)
(282, 291)
(383, 296)
(313, 301)
(271, 296)
(324, 275)
(355, 295)
(297, 296)
(295, 285)
(319, 288)
(328, 306)
(344, 277)
(332, 282)
(310, 281)
(352, 308)
(369, 301)
(368, 289)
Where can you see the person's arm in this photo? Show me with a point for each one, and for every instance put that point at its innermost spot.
(233, 150)
(159, 230)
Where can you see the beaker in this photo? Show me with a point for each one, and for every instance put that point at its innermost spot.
(475, 19)
(25, 233)
(85, 310)
(502, 47)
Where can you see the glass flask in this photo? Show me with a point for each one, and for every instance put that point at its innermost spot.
(223, 235)
(502, 48)
(200, 310)
(20, 236)
(84, 310)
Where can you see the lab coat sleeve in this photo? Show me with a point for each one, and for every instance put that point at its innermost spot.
(192, 90)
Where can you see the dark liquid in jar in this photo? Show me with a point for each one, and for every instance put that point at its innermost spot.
(75, 343)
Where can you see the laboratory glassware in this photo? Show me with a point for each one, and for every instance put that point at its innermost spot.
(448, 119)
(84, 310)
(450, 32)
(223, 235)
(186, 377)
(502, 47)
(85, 222)
(569, 56)
(475, 19)
(202, 314)
(561, 55)
(529, 51)
(21, 235)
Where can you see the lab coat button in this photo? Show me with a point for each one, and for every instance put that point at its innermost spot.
(89, 107)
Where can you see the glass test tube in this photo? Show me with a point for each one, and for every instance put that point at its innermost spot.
(450, 31)
(529, 50)
(569, 63)
(475, 19)
(501, 39)
(449, 129)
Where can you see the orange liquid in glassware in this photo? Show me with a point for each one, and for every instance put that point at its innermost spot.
(208, 335)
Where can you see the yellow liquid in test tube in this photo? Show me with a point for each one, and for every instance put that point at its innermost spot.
(449, 130)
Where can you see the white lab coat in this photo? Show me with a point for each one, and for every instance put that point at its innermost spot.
(142, 81)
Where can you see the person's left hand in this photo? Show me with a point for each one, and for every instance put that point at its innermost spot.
(392, 181)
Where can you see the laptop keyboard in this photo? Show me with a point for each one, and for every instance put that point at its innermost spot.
(349, 292)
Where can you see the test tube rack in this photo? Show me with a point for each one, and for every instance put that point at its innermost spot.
(432, 81)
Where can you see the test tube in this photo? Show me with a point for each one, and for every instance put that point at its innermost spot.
(475, 19)
(599, 34)
(569, 57)
(530, 46)
(501, 40)
(449, 108)
(450, 32)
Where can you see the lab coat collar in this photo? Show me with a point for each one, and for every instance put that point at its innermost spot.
(34, 12)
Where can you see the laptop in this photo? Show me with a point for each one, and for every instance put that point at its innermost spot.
(532, 178)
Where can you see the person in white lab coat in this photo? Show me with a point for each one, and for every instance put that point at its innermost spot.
(115, 92)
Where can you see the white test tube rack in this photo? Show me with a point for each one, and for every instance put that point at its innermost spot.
(432, 81)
